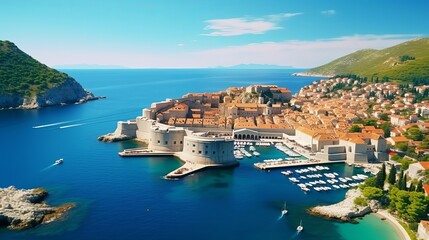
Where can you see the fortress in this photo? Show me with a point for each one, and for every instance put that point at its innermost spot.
(200, 128)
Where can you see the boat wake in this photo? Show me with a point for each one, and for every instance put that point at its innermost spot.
(48, 167)
(93, 120)
(72, 125)
(295, 235)
(51, 124)
(280, 217)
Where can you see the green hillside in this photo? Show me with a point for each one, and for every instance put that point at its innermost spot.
(408, 61)
(22, 75)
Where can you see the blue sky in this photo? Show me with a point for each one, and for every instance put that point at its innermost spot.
(207, 33)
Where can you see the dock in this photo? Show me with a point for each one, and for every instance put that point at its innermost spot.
(143, 152)
(293, 163)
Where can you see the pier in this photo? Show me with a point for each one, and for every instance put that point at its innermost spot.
(143, 152)
(292, 163)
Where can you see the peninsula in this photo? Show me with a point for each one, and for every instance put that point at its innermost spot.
(22, 209)
(26, 83)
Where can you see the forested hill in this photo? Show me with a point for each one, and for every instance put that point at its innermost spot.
(21, 74)
(27, 83)
(408, 62)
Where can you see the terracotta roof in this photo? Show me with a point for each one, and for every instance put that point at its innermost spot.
(400, 139)
(425, 165)
(425, 224)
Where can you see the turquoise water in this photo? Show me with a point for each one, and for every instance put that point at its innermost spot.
(127, 198)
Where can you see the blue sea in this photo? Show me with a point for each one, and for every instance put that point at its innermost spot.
(127, 198)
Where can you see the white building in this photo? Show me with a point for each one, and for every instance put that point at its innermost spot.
(415, 170)
(423, 230)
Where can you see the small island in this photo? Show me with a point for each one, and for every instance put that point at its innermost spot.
(26, 83)
(22, 209)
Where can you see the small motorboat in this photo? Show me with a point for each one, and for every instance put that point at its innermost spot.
(300, 227)
(59, 161)
(284, 210)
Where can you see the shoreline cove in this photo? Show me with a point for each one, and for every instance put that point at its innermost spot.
(393, 222)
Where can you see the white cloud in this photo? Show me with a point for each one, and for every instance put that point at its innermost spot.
(180, 44)
(328, 12)
(281, 16)
(241, 26)
(297, 53)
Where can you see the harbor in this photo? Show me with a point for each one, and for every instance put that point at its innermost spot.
(320, 178)
(280, 163)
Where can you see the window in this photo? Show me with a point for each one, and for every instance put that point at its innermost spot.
(205, 152)
(207, 146)
(174, 142)
(199, 152)
(159, 141)
(182, 142)
(193, 145)
(214, 152)
(166, 142)
(193, 150)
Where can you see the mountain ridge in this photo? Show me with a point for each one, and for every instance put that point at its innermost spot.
(407, 61)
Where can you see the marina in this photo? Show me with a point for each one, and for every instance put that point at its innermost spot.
(324, 182)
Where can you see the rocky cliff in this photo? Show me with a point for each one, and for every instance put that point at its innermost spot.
(67, 93)
(26, 83)
(22, 209)
(345, 210)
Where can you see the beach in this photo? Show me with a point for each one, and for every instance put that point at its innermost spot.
(392, 220)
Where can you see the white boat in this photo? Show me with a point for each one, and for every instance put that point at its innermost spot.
(59, 161)
(300, 227)
(294, 180)
(284, 210)
(252, 148)
(256, 153)
(286, 173)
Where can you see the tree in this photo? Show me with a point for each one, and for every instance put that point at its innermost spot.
(392, 176)
(372, 193)
(380, 177)
(419, 187)
(384, 117)
(415, 134)
(386, 126)
(402, 146)
(369, 182)
(403, 183)
(370, 122)
(355, 128)
(412, 206)
(400, 179)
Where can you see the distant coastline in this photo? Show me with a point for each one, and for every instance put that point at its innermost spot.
(304, 74)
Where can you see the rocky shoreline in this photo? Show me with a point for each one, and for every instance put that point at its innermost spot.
(346, 210)
(112, 137)
(22, 209)
(70, 92)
